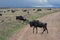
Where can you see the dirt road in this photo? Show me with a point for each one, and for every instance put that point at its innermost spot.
(53, 21)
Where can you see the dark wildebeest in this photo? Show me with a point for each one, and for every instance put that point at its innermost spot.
(2, 20)
(20, 18)
(28, 13)
(0, 14)
(37, 23)
(8, 10)
(33, 9)
(4, 11)
(12, 11)
(24, 10)
(39, 9)
(49, 9)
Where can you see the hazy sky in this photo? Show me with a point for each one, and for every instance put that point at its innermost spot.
(29, 3)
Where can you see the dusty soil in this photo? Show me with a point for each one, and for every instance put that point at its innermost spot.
(53, 26)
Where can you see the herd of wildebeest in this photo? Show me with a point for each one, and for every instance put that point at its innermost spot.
(34, 23)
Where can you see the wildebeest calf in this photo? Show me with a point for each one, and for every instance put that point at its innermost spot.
(37, 23)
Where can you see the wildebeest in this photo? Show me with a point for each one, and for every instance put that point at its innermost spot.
(21, 18)
(28, 13)
(2, 20)
(0, 14)
(37, 23)
(39, 9)
(4, 11)
(24, 10)
(12, 11)
(49, 9)
(33, 9)
(8, 10)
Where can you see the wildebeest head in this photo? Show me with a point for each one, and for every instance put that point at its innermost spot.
(31, 24)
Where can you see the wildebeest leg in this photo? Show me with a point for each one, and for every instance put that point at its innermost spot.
(43, 30)
(36, 30)
(46, 29)
(33, 29)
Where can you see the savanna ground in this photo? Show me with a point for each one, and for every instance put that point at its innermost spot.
(12, 29)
